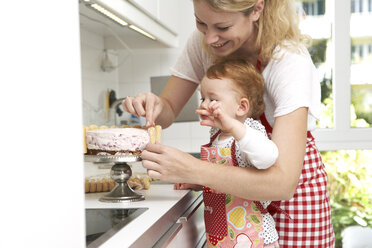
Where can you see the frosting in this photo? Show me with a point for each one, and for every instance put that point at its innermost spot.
(117, 139)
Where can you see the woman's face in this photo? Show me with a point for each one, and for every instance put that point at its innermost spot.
(224, 32)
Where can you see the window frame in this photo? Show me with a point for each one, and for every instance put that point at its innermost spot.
(342, 136)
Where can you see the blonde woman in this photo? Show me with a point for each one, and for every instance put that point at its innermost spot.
(266, 33)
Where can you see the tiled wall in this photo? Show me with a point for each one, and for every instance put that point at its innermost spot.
(186, 136)
(95, 82)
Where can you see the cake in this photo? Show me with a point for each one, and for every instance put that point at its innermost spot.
(119, 141)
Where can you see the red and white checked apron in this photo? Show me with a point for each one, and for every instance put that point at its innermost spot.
(310, 211)
(230, 221)
(311, 221)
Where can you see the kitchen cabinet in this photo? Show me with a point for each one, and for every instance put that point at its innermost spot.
(134, 22)
(151, 6)
(164, 10)
(173, 218)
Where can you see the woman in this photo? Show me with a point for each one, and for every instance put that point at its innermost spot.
(266, 33)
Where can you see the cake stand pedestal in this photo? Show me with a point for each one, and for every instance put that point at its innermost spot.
(120, 173)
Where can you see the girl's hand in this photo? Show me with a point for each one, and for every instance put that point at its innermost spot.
(146, 105)
(215, 116)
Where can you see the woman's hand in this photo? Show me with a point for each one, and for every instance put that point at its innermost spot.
(182, 186)
(146, 105)
(169, 164)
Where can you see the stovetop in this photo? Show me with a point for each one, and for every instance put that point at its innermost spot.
(102, 224)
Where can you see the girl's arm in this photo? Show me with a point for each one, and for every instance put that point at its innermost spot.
(257, 149)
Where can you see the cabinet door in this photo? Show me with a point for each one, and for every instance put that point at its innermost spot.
(151, 6)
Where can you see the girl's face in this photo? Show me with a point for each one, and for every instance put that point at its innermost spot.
(225, 32)
(221, 91)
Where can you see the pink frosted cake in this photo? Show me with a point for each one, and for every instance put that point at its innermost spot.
(117, 141)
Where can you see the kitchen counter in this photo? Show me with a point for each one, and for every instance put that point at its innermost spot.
(165, 207)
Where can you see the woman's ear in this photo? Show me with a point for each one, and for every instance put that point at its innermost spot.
(244, 107)
(257, 10)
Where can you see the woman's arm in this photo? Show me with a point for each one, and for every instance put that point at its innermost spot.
(279, 182)
(165, 108)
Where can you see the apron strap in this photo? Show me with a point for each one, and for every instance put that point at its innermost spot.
(259, 66)
(272, 209)
(266, 124)
(233, 154)
(212, 139)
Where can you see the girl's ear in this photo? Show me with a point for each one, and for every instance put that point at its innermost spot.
(244, 107)
(257, 10)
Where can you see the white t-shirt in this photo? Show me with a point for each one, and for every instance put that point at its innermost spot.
(291, 82)
(254, 149)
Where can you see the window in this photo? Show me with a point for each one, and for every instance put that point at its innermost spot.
(360, 6)
(342, 53)
(321, 7)
(306, 8)
(347, 85)
(353, 54)
(313, 8)
(361, 52)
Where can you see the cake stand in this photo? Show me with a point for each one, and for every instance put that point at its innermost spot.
(120, 173)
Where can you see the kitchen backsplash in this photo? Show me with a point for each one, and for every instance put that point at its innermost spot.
(95, 82)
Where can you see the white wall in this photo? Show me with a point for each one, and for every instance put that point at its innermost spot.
(42, 184)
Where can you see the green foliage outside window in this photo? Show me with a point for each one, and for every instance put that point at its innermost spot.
(350, 188)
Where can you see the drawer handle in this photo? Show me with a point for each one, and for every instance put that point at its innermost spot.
(182, 220)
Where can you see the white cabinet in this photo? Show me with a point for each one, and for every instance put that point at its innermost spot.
(140, 25)
(166, 11)
(150, 6)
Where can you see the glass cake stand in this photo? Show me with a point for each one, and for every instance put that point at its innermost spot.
(120, 173)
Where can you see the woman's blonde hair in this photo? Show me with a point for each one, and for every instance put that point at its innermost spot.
(248, 81)
(277, 25)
